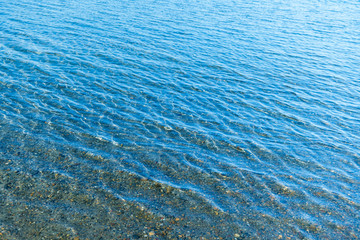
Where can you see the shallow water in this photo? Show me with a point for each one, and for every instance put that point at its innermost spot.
(173, 120)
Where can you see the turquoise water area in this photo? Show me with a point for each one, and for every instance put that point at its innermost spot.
(152, 119)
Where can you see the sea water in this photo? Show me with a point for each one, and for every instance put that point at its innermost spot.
(173, 119)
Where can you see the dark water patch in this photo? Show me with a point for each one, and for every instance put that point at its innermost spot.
(55, 204)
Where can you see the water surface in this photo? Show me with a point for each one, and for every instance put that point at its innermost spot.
(179, 119)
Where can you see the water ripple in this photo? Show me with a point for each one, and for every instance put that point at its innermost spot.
(193, 119)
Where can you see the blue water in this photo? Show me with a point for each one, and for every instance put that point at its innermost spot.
(179, 119)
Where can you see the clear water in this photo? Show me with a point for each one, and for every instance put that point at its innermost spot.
(179, 119)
